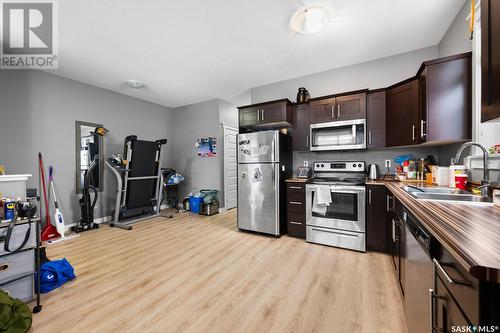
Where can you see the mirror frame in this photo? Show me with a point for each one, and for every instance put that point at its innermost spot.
(78, 135)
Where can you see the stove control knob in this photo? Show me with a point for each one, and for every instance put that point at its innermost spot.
(317, 165)
(354, 165)
(359, 165)
(322, 165)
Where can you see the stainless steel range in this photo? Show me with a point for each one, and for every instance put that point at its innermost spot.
(335, 205)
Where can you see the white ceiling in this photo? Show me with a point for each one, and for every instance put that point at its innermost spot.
(189, 51)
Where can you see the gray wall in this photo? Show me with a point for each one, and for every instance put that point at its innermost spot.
(193, 122)
(456, 39)
(38, 112)
(373, 74)
(228, 113)
(197, 121)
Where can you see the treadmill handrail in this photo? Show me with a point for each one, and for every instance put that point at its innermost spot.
(143, 178)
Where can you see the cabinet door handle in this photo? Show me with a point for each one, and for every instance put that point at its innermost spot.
(262, 114)
(307, 141)
(446, 276)
(370, 197)
(431, 312)
(258, 116)
(412, 132)
(295, 202)
(432, 306)
(441, 269)
(393, 231)
(296, 187)
(388, 208)
(333, 112)
(293, 222)
(338, 111)
(422, 132)
(369, 137)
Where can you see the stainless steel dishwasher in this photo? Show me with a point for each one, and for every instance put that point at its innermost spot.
(419, 274)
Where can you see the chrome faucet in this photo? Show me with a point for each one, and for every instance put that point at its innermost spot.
(486, 172)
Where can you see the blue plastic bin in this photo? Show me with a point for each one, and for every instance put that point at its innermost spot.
(195, 204)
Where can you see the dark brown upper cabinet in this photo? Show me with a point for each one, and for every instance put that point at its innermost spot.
(249, 116)
(322, 110)
(445, 88)
(351, 107)
(300, 127)
(402, 116)
(490, 60)
(375, 117)
(337, 108)
(275, 114)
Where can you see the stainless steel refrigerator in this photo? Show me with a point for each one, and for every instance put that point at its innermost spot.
(264, 162)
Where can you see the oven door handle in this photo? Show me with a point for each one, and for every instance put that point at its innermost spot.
(343, 189)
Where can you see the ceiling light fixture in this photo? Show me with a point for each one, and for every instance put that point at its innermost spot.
(135, 84)
(309, 20)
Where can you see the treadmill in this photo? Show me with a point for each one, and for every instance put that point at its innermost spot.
(139, 182)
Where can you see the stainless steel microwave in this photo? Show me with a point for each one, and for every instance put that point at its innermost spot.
(338, 135)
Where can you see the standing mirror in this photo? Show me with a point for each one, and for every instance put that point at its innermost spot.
(89, 159)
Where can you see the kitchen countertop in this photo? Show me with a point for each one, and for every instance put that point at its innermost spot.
(470, 232)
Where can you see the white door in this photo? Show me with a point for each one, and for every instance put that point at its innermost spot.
(230, 168)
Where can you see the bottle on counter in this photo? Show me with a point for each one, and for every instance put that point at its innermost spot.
(411, 174)
(421, 169)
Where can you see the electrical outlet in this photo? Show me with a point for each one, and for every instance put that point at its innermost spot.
(387, 164)
(306, 163)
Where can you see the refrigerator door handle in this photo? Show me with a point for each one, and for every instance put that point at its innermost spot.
(277, 194)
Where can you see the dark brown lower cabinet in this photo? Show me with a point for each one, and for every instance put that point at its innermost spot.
(296, 209)
(377, 229)
(397, 237)
(447, 316)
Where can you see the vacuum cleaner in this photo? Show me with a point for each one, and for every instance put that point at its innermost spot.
(87, 204)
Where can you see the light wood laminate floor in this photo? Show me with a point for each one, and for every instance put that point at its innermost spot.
(199, 274)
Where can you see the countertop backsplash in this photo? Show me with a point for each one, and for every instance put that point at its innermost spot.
(372, 156)
(442, 154)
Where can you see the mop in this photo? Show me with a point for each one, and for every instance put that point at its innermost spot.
(58, 216)
(48, 231)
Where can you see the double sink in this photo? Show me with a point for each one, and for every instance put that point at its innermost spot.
(446, 194)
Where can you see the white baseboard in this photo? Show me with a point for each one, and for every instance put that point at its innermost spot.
(97, 220)
(104, 219)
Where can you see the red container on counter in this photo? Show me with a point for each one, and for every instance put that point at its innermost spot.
(461, 181)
